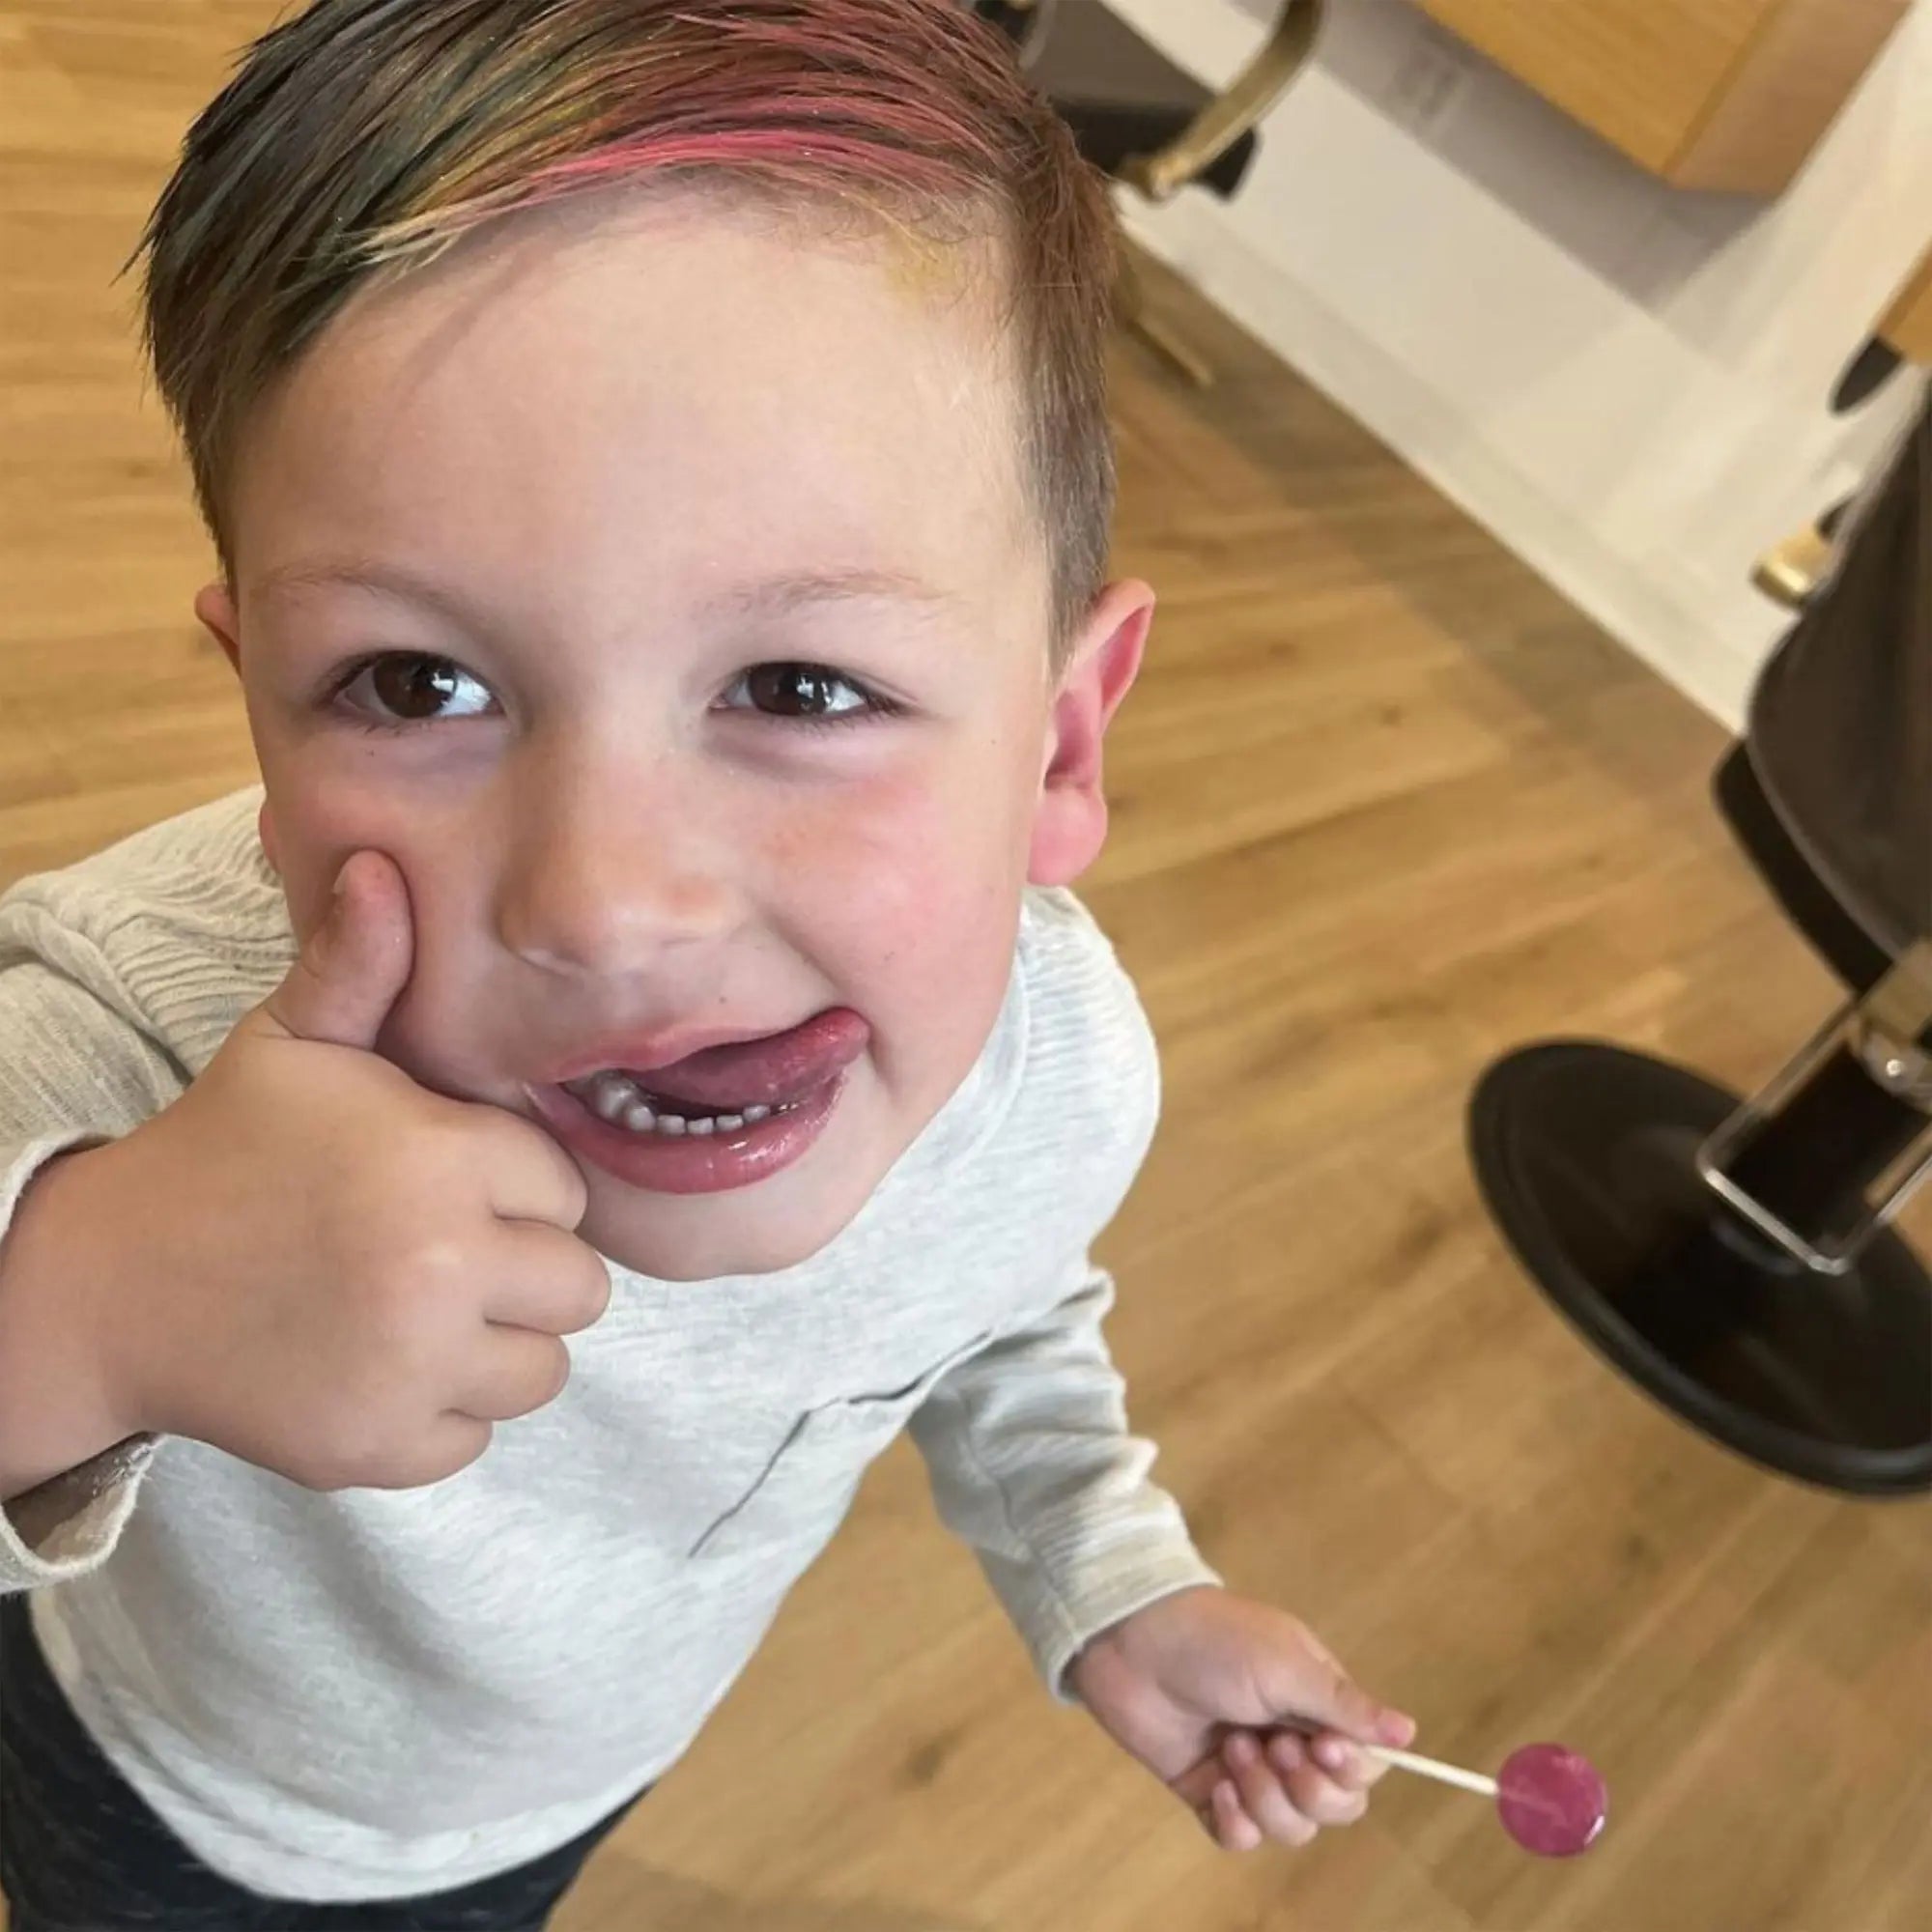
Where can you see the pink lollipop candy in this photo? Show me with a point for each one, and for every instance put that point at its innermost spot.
(1551, 1801)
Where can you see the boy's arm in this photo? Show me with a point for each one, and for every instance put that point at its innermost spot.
(72, 1075)
(1033, 1464)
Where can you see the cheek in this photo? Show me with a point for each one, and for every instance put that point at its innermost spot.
(909, 885)
(322, 808)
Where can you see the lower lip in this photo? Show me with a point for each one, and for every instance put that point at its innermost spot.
(706, 1164)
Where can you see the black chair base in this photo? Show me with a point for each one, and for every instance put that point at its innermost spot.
(1586, 1155)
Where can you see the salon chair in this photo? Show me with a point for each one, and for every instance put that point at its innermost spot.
(1732, 1257)
(1148, 126)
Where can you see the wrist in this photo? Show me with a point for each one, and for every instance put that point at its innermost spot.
(1125, 1644)
(1125, 1631)
(1104, 1654)
(59, 1404)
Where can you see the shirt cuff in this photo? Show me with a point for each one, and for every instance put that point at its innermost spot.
(71, 1524)
(1064, 1600)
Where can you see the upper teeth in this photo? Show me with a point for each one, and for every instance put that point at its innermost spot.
(618, 1098)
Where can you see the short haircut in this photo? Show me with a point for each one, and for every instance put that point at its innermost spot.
(361, 136)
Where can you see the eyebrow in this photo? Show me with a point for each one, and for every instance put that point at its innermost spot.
(796, 591)
(297, 580)
(766, 598)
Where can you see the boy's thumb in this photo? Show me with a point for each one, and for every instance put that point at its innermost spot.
(1321, 1690)
(356, 963)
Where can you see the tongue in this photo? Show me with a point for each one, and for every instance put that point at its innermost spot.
(768, 1072)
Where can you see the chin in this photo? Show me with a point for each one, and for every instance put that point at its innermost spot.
(709, 1238)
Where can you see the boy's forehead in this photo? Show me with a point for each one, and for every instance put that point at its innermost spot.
(577, 376)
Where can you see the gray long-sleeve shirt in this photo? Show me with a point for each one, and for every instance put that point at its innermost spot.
(371, 1694)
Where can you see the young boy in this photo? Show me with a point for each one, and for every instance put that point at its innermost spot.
(657, 456)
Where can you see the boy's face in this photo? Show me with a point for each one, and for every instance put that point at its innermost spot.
(656, 585)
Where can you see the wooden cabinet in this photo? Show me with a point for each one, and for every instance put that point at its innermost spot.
(1709, 94)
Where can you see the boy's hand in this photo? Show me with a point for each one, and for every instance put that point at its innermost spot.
(320, 1265)
(1198, 1686)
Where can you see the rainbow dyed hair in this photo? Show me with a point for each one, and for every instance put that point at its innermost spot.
(361, 137)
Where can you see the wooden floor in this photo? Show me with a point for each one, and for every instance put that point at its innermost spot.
(1386, 807)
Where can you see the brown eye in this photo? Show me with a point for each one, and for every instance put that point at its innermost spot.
(413, 688)
(798, 691)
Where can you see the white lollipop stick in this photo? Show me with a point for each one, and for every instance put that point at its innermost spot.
(1423, 1767)
(1430, 1766)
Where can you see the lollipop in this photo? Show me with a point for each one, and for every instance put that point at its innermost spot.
(1552, 1801)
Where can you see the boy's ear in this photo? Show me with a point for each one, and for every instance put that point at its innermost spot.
(214, 605)
(1070, 820)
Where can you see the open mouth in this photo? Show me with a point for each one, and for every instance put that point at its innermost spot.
(620, 1100)
(721, 1118)
(725, 1089)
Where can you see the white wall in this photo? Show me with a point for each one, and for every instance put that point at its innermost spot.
(1627, 383)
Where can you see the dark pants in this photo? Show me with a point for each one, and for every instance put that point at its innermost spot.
(80, 1852)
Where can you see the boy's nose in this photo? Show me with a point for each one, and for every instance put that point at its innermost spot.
(600, 879)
